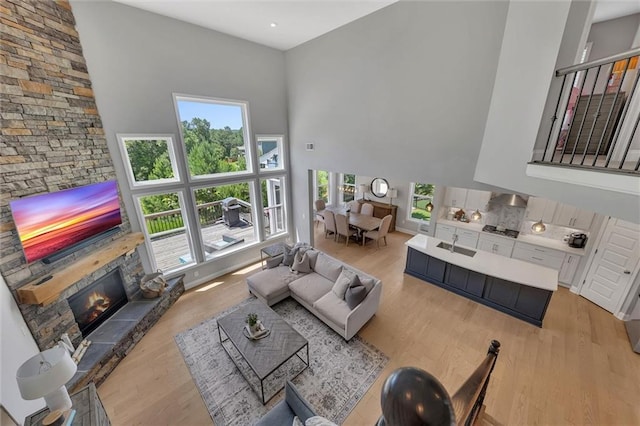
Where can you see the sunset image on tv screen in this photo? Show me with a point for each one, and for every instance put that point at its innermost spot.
(50, 222)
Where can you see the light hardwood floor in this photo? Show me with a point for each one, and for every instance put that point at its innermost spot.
(578, 369)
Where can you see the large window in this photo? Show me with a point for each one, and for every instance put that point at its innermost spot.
(421, 202)
(165, 224)
(214, 135)
(222, 203)
(274, 218)
(348, 187)
(225, 217)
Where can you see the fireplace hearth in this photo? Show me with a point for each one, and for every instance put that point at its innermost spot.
(95, 303)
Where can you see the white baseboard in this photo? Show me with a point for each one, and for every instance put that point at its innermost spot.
(220, 273)
(407, 231)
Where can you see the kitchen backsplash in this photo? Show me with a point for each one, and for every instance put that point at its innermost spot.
(507, 216)
(553, 232)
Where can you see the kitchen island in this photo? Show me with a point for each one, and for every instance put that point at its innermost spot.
(512, 286)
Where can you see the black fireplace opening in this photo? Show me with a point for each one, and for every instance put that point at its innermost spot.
(95, 303)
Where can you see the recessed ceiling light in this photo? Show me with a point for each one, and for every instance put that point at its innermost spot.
(273, 24)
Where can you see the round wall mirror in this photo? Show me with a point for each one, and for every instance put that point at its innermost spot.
(379, 187)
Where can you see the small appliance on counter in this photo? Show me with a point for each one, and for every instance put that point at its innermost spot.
(577, 240)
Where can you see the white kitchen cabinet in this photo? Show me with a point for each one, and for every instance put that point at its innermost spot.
(467, 238)
(455, 197)
(539, 255)
(496, 245)
(540, 208)
(476, 200)
(573, 217)
(568, 269)
(445, 232)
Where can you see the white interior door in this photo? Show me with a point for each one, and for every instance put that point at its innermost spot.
(614, 265)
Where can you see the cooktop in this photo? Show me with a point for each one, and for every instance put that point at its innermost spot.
(506, 232)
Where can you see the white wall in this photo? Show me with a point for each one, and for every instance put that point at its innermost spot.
(17, 347)
(403, 92)
(535, 34)
(137, 60)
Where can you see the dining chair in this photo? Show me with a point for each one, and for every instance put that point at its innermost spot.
(353, 206)
(320, 206)
(380, 233)
(342, 226)
(366, 209)
(329, 224)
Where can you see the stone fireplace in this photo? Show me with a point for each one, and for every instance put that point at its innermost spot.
(53, 139)
(97, 302)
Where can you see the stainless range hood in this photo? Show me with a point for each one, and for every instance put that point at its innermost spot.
(512, 200)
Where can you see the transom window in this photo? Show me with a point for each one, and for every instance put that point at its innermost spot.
(214, 133)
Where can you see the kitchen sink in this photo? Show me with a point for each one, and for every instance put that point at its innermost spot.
(456, 249)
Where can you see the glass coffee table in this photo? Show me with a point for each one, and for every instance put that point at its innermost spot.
(264, 356)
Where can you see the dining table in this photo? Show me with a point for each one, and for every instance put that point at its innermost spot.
(362, 222)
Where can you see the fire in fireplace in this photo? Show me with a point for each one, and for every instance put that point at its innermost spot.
(95, 303)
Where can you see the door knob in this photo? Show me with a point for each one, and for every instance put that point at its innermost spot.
(627, 272)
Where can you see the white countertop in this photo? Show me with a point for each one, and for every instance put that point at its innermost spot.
(506, 268)
(524, 238)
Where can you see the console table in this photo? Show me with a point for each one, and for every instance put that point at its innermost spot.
(89, 410)
(381, 210)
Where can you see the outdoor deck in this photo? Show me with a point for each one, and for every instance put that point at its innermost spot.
(171, 249)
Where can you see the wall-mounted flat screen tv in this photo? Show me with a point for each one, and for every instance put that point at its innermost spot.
(49, 223)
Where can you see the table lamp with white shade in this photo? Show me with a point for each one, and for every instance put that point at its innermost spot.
(44, 376)
(392, 193)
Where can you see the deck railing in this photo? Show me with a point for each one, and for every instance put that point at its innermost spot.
(171, 221)
(595, 121)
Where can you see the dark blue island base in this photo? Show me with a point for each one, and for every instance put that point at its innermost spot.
(521, 301)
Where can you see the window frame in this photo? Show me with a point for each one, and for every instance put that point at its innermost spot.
(281, 152)
(343, 186)
(412, 194)
(185, 219)
(315, 185)
(246, 134)
(283, 203)
(171, 150)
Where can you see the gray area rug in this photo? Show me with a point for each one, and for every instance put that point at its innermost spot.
(339, 375)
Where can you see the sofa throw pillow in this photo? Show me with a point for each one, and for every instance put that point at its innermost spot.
(319, 421)
(301, 263)
(342, 284)
(313, 257)
(297, 422)
(274, 261)
(287, 256)
(356, 292)
(327, 267)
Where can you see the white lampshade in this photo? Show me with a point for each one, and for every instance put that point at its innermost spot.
(392, 193)
(45, 375)
(363, 187)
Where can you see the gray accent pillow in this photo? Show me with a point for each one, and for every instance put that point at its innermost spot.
(274, 261)
(313, 257)
(287, 256)
(355, 294)
(342, 284)
(301, 263)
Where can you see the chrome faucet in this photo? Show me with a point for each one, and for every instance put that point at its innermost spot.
(454, 238)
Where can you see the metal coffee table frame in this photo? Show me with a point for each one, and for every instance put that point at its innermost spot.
(271, 317)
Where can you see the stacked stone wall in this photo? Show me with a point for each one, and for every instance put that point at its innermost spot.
(51, 139)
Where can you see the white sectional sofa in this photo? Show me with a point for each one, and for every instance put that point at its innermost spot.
(317, 293)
